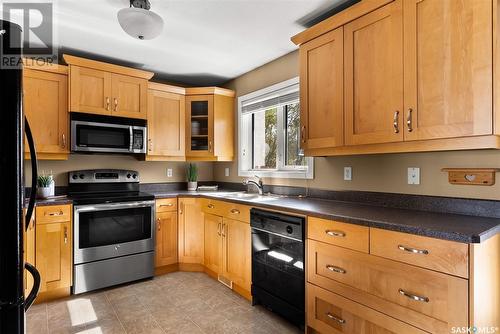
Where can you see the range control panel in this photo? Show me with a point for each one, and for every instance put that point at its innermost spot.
(103, 176)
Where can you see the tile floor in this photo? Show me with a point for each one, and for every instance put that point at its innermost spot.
(180, 302)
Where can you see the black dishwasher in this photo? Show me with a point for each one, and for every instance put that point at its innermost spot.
(278, 281)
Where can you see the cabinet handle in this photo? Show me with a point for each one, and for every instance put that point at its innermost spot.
(108, 102)
(395, 122)
(409, 120)
(211, 206)
(168, 204)
(181, 208)
(413, 297)
(235, 211)
(63, 140)
(303, 133)
(218, 229)
(116, 104)
(413, 250)
(335, 318)
(332, 233)
(65, 235)
(54, 214)
(224, 230)
(158, 222)
(335, 269)
(210, 146)
(150, 144)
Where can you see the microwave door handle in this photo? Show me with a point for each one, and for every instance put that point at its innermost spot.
(131, 146)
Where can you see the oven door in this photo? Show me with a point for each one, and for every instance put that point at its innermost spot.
(100, 137)
(104, 231)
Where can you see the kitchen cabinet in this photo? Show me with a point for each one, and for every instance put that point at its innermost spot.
(237, 252)
(166, 123)
(209, 124)
(106, 89)
(213, 243)
(373, 53)
(166, 232)
(53, 246)
(322, 91)
(45, 96)
(191, 231)
(448, 68)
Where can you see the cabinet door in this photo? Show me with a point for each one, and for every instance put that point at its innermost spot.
(373, 58)
(237, 256)
(213, 243)
(448, 68)
(46, 106)
(166, 124)
(166, 238)
(322, 91)
(53, 255)
(130, 96)
(191, 231)
(90, 90)
(200, 126)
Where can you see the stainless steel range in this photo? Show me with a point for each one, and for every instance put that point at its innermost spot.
(113, 229)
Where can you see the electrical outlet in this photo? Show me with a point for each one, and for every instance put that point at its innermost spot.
(413, 175)
(226, 171)
(169, 172)
(347, 173)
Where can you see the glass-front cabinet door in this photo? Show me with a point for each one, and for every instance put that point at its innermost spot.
(200, 126)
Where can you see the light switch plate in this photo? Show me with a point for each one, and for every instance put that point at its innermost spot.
(169, 172)
(413, 175)
(226, 171)
(347, 173)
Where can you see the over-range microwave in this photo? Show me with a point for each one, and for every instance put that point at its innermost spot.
(107, 134)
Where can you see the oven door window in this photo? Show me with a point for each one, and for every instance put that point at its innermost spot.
(102, 137)
(102, 228)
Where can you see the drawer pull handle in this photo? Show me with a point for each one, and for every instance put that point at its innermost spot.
(335, 269)
(235, 211)
(211, 206)
(414, 297)
(335, 318)
(169, 204)
(413, 250)
(339, 234)
(54, 214)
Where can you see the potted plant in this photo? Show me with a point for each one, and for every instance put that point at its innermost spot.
(44, 183)
(192, 177)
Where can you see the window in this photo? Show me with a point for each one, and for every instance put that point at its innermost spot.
(269, 133)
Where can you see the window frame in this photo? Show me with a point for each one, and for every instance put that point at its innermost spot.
(246, 138)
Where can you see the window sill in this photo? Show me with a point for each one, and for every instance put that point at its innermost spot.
(279, 174)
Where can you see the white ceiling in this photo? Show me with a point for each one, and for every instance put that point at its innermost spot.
(204, 42)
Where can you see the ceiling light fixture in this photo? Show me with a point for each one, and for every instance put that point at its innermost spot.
(139, 22)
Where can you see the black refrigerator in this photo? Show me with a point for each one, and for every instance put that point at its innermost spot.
(13, 128)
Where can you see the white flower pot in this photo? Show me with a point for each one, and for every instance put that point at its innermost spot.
(43, 192)
(192, 186)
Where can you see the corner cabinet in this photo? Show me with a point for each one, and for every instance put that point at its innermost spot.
(106, 89)
(45, 99)
(209, 124)
(418, 75)
(191, 232)
(166, 123)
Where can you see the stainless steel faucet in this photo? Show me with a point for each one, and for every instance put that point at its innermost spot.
(257, 182)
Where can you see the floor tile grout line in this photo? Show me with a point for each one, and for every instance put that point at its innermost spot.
(114, 311)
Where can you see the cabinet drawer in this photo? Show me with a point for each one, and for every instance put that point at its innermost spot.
(237, 211)
(53, 214)
(213, 207)
(441, 255)
(331, 313)
(430, 293)
(340, 234)
(166, 204)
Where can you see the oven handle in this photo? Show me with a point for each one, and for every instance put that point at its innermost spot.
(113, 206)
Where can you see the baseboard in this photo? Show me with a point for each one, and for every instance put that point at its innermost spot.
(195, 267)
(166, 269)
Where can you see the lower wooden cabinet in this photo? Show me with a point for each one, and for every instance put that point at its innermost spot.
(237, 252)
(213, 243)
(166, 238)
(191, 231)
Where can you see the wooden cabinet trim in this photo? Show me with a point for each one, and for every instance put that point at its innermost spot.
(101, 66)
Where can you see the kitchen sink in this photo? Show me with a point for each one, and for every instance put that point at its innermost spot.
(249, 196)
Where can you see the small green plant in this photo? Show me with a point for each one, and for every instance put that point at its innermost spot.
(192, 173)
(44, 181)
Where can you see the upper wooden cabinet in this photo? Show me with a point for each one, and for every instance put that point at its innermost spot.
(209, 124)
(373, 54)
(166, 123)
(322, 91)
(448, 68)
(45, 90)
(418, 76)
(106, 89)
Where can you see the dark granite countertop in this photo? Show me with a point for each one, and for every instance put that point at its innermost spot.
(58, 200)
(455, 227)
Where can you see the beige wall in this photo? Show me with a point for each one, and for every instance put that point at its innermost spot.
(385, 173)
(150, 172)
